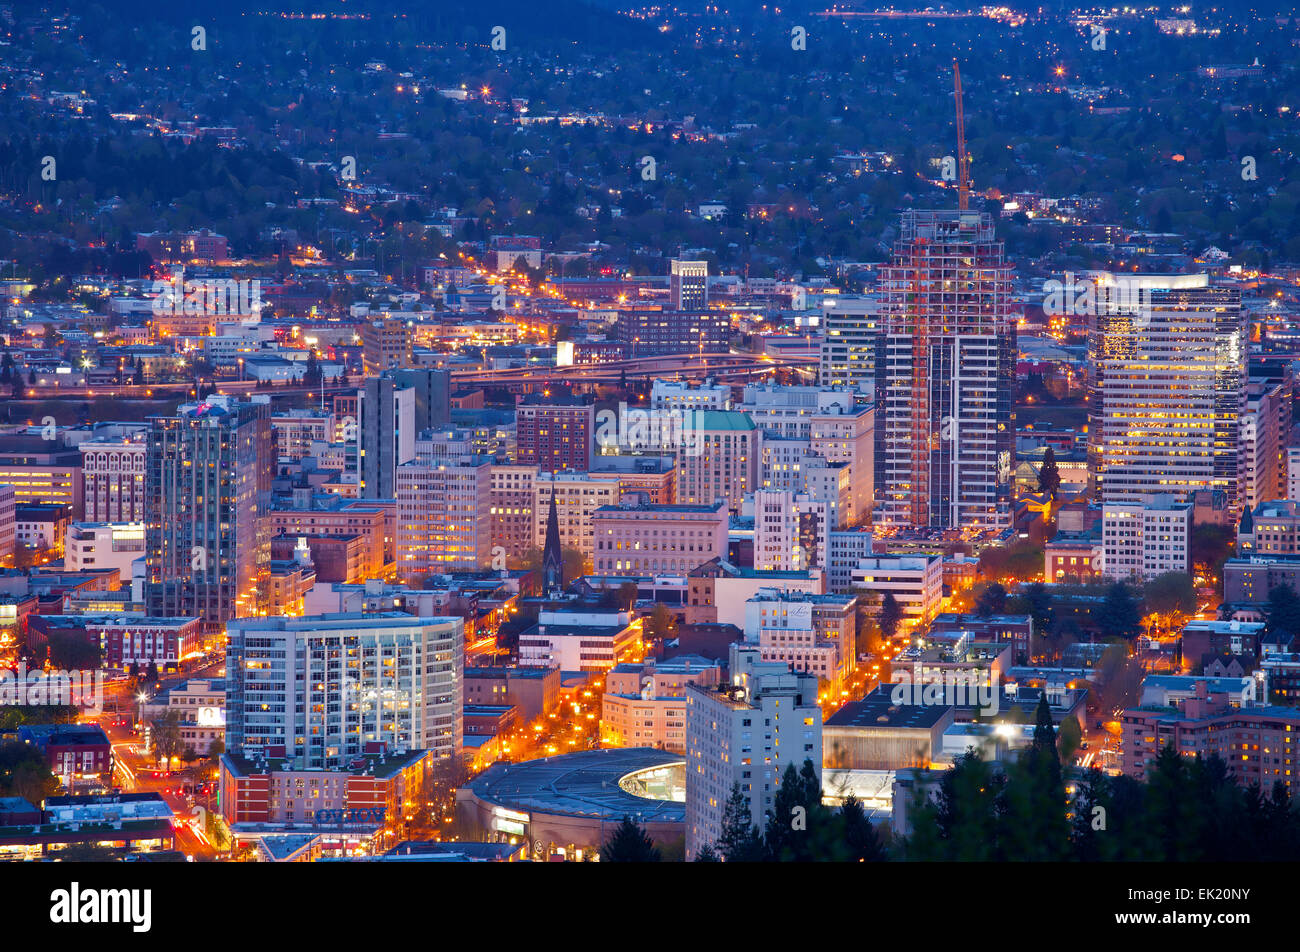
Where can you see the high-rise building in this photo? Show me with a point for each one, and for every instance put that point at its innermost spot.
(1166, 389)
(112, 473)
(744, 733)
(208, 488)
(688, 285)
(1144, 539)
(945, 376)
(812, 633)
(576, 497)
(513, 497)
(43, 472)
(849, 436)
(1265, 427)
(432, 395)
(317, 691)
(444, 507)
(554, 433)
(385, 344)
(722, 463)
(387, 434)
(850, 338)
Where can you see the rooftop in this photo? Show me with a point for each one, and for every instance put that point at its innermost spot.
(586, 783)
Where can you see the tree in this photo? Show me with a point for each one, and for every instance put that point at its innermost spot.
(1039, 603)
(1049, 477)
(25, 773)
(662, 623)
(891, 615)
(992, 600)
(1283, 609)
(740, 841)
(312, 375)
(707, 854)
(859, 834)
(166, 733)
(626, 596)
(629, 844)
(1170, 594)
(1118, 616)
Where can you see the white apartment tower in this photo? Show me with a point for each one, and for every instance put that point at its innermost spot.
(316, 690)
(745, 732)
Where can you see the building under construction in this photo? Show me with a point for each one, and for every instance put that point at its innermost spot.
(945, 376)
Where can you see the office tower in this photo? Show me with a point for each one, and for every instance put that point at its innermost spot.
(791, 530)
(1166, 388)
(945, 376)
(812, 633)
(788, 411)
(112, 473)
(387, 434)
(744, 733)
(512, 504)
(689, 285)
(850, 338)
(8, 521)
(208, 489)
(849, 436)
(385, 345)
(722, 461)
(294, 432)
(657, 333)
(316, 691)
(42, 472)
(1141, 540)
(432, 396)
(554, 433)
(444, 507)
(1265, 428)
(576, 496)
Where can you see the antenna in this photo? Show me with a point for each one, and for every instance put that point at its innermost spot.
(963, 160)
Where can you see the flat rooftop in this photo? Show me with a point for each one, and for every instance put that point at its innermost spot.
(878, 710)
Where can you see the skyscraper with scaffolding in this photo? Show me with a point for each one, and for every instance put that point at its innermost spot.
(945, 376)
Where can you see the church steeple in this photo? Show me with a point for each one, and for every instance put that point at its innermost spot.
(552, 557)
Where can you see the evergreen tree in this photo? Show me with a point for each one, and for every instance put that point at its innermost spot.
(1049, 477)
(1283, 609)
(707, 855)
(859, 835)
(992, 600)
(1118, 615)
(740, 841)
(629, 844)
(891, 615)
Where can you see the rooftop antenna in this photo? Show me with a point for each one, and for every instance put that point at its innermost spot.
(963, 160)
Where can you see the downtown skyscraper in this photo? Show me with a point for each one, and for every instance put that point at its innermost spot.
(208, 488)
(1167, 388)
(945, 376)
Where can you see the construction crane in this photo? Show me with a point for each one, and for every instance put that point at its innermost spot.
(963, 160)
